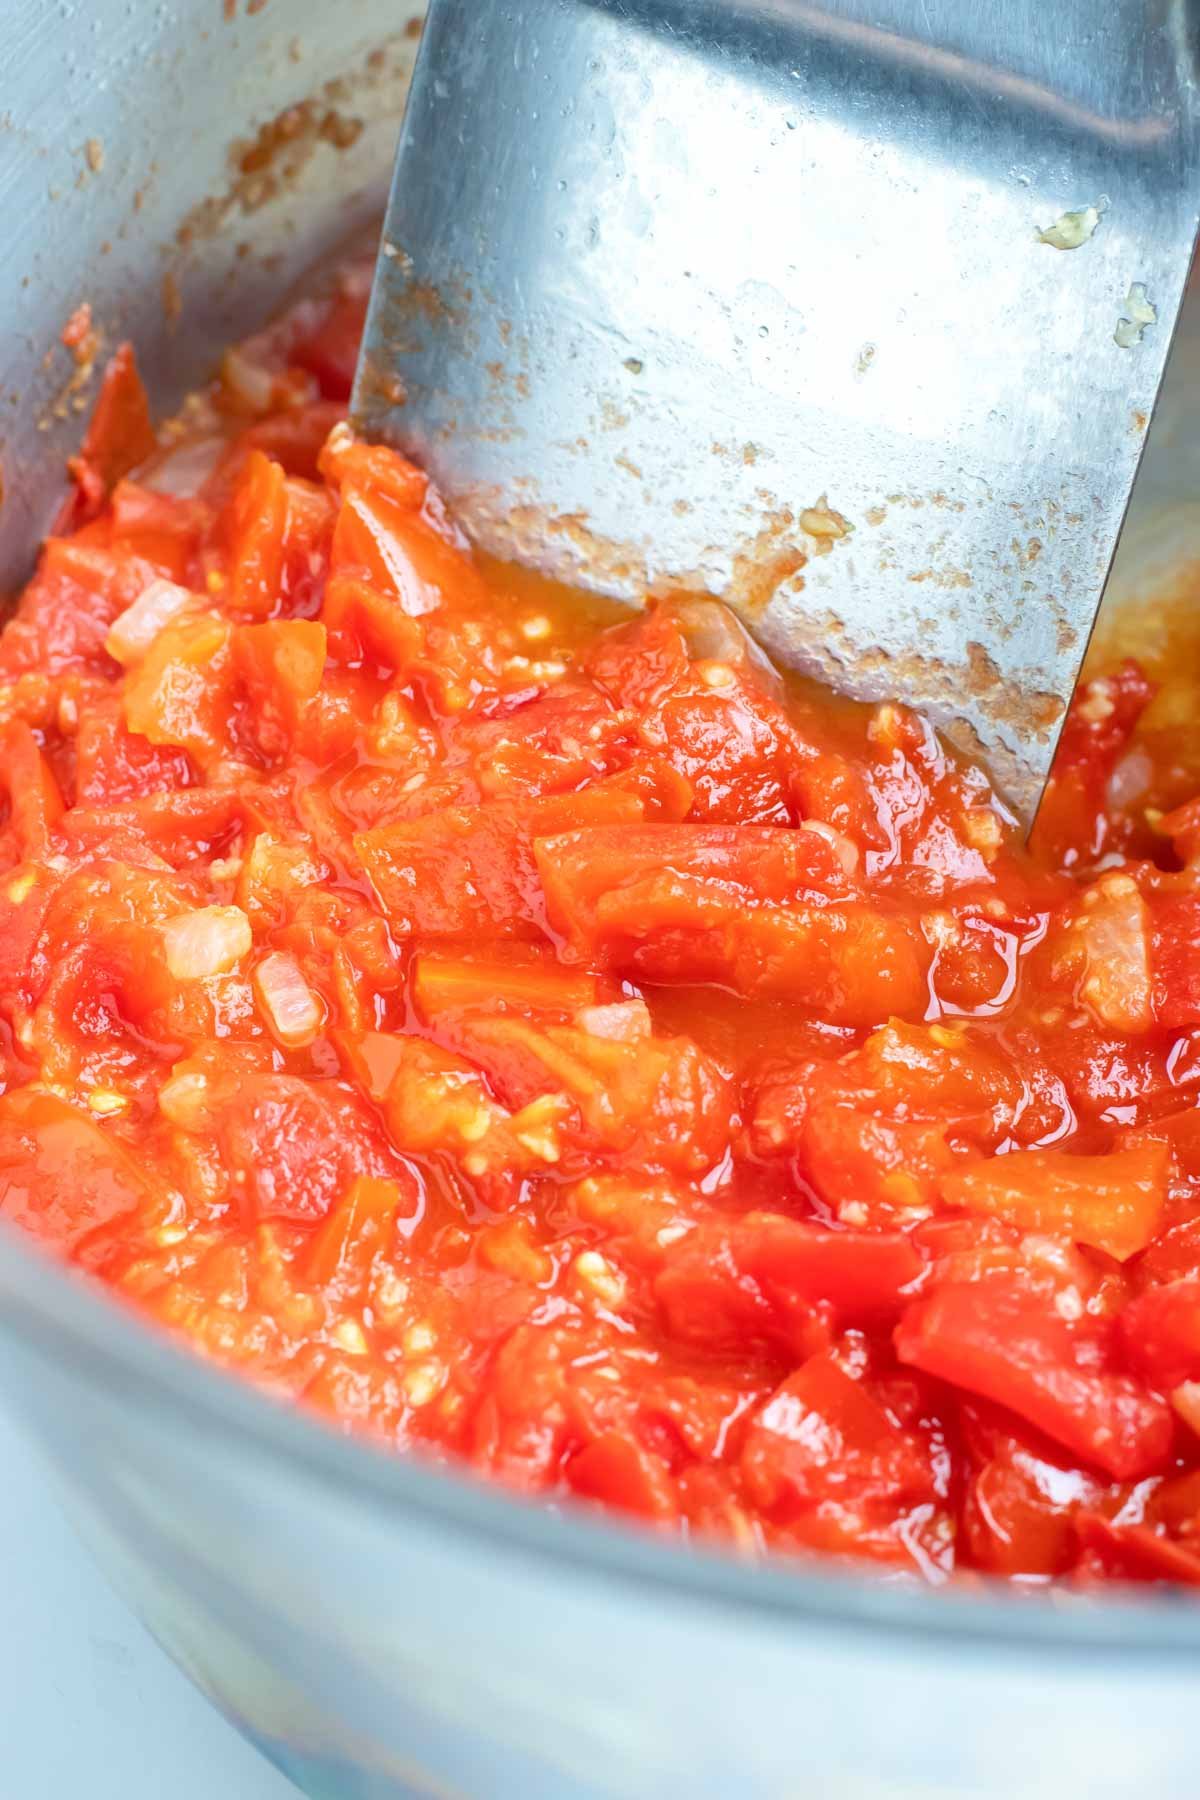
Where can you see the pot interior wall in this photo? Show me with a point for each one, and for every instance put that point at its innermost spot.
(178, 167)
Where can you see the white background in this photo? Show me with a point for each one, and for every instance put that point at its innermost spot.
(90, 1707)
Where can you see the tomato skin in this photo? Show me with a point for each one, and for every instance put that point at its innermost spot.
(119, 437)
(35, 804)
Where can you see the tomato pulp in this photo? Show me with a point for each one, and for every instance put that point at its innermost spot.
(538, 1035)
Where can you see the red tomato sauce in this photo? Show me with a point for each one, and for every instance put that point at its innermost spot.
(537, 1035)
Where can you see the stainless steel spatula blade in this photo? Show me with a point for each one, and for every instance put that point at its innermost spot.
(853, 314)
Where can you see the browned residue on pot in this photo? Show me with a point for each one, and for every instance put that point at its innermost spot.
(83, 340)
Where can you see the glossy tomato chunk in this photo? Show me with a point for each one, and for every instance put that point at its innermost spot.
(540, 1033)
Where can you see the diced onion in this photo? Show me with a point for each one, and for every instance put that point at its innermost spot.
(821, 521)
(294, 1013)
(247, 382)
(1115, 929)
(843, 848)
(1071, 229)
(133, 632)
(1130, 779)
(210, 941)
(714, 634)
(184, 470)
(626, 1021)
(1186, 1401)
(183, 1099)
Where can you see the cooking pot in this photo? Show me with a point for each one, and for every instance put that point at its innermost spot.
(379, 1627)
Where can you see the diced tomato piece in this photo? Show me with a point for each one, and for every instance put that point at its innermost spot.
(1136, 1552)
(823, 1456)
(1181, 1130)
(331, 351)
(765, 1279)
(471, 870)
(769, 911)
(876, 1165)
(121, 434)
(1021, 1497)
(1009, 1346)
(35, 804)
(657, 1102)
(1175, 958)
(619, 1472)
(293, 1147)
(61, 1175)
(1112, 1202)
(386, 535)
(359, 1226)
(1160, 1330)
(182, 691)
(258, 520)
(113, 764)
(442, 984)
(280, 665)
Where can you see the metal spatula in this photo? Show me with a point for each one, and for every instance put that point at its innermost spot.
(851, 313)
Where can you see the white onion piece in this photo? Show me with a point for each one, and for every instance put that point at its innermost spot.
(294, 1013)
(183, 1099)
(210, 941)
(247, 382)
(1186, 1401)
(132, 633)
(185, 470)
(625, 1022)
(1115, 926)
(1130, 779)
(713, 633)
(843, 848)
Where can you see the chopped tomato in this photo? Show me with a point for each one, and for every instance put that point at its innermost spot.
(1006, 1345)
(538, 1033)
(61, 1176)
(119, 437)
(1112, 1202)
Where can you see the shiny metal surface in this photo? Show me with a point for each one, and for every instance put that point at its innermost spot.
(755, 296)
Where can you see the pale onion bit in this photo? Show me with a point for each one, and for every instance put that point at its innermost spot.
(183, 1099)
(247, 381)
(626, 1021)
(210, 941)
(1130, 779)
(294, 1013)
(1186, 1401)
(843, 848)
(133, 632)
(1115, 927)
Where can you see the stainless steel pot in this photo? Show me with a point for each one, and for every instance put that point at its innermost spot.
(379, 1628)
